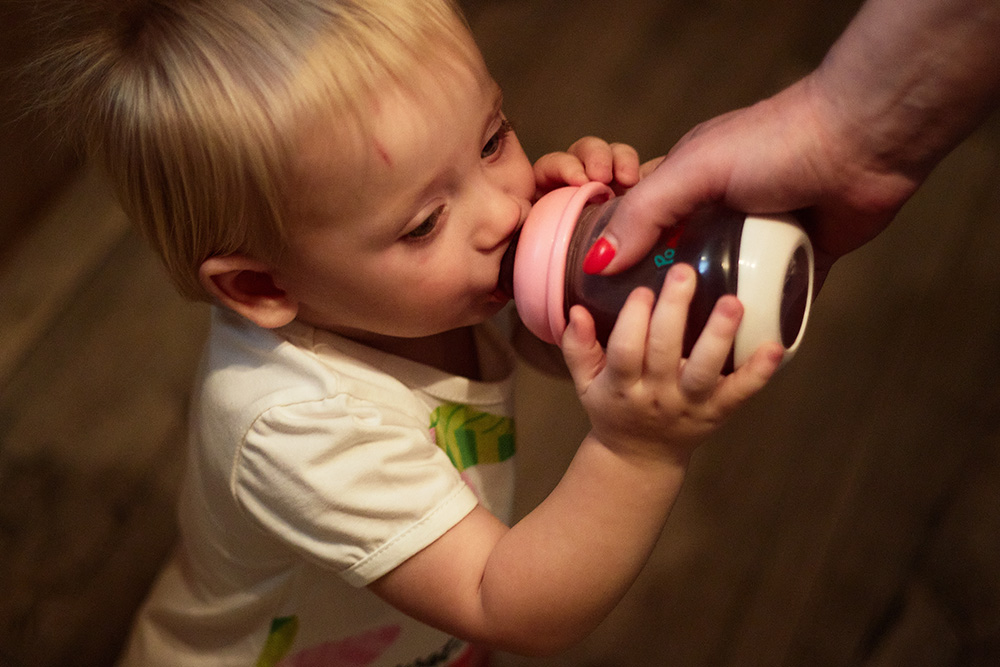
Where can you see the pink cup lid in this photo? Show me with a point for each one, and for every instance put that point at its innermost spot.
(540, 262)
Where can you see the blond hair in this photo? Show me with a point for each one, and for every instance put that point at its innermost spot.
(193, 106)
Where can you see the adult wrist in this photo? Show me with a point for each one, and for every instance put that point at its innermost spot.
(910, 79)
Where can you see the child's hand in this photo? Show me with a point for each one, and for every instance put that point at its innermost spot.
(591, 159)
(546, 582)
(640, 395)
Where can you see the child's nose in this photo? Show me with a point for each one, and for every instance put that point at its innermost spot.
(499, 216)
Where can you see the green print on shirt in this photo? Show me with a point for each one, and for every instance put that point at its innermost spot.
(279, 640)
(470, 437)
(358, 651)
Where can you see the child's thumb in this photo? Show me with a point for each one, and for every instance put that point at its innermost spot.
(583, 354)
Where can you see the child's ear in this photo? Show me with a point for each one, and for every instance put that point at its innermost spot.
(247, 287)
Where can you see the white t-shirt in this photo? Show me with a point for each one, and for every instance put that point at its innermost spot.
(316, 466)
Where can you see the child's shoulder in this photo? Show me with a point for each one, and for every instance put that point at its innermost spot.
(248, 369)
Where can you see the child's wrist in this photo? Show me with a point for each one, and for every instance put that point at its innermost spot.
(646, 453)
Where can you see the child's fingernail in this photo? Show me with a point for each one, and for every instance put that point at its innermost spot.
(599, 256)
(729, 308)
(679, 273)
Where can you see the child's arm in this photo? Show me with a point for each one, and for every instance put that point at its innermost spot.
(549, 580)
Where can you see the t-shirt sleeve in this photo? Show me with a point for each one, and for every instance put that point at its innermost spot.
(356, 487)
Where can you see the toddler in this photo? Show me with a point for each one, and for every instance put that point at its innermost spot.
(338, 179)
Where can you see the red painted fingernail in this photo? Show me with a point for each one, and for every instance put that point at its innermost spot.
(599, 256)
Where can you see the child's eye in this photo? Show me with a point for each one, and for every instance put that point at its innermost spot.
(496, 141)
(426, 227)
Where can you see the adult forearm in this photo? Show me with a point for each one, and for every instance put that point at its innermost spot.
(912, 78)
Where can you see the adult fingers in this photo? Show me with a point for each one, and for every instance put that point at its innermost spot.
(669, 193)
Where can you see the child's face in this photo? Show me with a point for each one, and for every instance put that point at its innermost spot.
(403, 235)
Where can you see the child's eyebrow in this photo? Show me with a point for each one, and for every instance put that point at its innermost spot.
(497, 103)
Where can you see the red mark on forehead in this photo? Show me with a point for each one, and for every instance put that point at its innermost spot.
(381, 151)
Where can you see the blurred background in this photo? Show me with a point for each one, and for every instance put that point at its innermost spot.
(850, 515)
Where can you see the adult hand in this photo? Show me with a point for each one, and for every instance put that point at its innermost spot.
(788, 153)
(846, 146)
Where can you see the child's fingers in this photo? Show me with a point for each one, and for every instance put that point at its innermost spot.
(626, 353)
(700, 374)
(597, 157)
(666, 331)
(626, 164)
(555, 170)
(595, 160)
(751, 377)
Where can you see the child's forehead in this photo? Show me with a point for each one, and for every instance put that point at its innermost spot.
(398, 131)
(336, 91)
(422, 89)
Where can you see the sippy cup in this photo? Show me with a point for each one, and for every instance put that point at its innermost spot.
(766, 261)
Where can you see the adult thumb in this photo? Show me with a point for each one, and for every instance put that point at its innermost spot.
(665, 196)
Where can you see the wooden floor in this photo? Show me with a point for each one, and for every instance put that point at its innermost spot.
(849, 516)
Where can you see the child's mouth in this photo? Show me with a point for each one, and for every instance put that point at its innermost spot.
(499, 296)
(505, 283)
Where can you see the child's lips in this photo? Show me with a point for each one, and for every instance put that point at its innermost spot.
(505, 281)
(500, 295)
